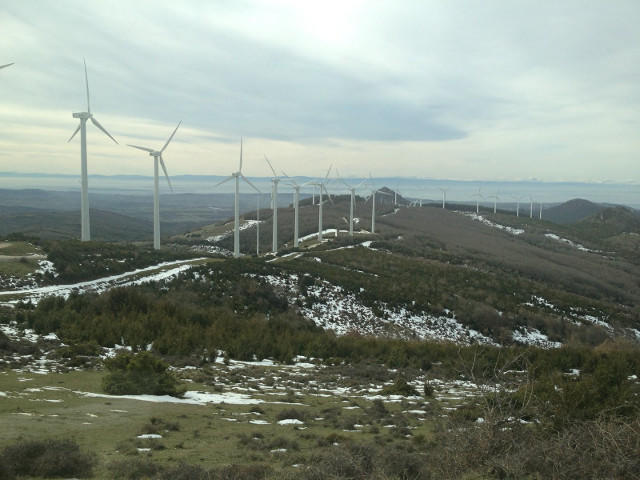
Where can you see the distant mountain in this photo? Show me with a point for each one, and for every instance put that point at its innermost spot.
(571, 211)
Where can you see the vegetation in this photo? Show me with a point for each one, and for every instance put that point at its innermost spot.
(48, 458)
(142, 373)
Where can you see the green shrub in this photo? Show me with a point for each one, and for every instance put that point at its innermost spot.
(400, 387)
(46, 458)
(142, 373)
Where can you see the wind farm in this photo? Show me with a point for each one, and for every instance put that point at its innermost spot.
(381, 310)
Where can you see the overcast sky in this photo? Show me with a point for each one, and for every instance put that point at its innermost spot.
(468, 90)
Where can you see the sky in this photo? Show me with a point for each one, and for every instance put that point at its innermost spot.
(461, 90)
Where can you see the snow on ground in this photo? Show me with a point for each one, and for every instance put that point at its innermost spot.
(191, 397)
(243, 226)
(167, 270)
(334, 309)
(532, 336)
(555, 237)
(480, 218)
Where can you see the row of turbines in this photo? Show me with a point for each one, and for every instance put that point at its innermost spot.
(319, 184)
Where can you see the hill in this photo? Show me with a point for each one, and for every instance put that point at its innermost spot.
(571, 211)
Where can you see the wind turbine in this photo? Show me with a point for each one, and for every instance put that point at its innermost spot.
(444, 195)
(479, 196)
(7, 65)
(85, 233)
(274, 205)
(157, 158)
(373, 204)
(258, 225)
(541, 211)
(296, 199)
(236, 228)
(353, 200)
(495, 202)
(517, 199)
(321, 186)
(531, 207)
(421, 188)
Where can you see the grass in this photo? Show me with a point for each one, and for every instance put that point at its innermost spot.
(47, 406)
(17, 258)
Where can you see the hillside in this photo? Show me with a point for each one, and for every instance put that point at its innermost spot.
(512, 342)
(498, 275)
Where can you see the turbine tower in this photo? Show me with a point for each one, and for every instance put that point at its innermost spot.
(296, 201)
(236, 227)
(373, 204)
(421, 188)
(495, 202)
(353, 200)
(479, 196)
(321, 186)
(444, 196)
(157, 158)
(517, 199)
(85, 231)
(274, 206)
(531, 207)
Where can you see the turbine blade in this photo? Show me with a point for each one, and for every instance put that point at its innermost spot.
(174, 132)
(150, 150)
(7, 65)
(164, 169)
(328, 171)
(225, 180)
(86, 79)
(247, 180)
(271, 166)
(74, 133)
(97, 124)
(240, 169)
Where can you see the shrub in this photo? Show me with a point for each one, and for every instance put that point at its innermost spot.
(143, 373)
(134, 468)
(399, 387)
(46, 458)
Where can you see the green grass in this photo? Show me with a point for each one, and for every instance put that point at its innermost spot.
(207, 435)
(19, 248)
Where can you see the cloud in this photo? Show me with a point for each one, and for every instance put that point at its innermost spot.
(455, 89)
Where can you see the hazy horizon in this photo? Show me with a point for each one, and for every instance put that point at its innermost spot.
(457, 190)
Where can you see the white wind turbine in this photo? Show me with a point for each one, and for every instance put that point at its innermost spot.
(541, 211)
(421, 188)
(517, 199)
(373, 204)
(274, 206)
(258, 225)
(353, 200)
(444, 196)
(296, 200)
(531, 207)
(495, 202)
(321, 186)
(236, 227)
(85, 233)
(7, 65)
(157, 158)
(479, 196)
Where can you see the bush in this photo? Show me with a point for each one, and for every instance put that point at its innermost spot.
(143, 373)
(400, 387)
(46, 458)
